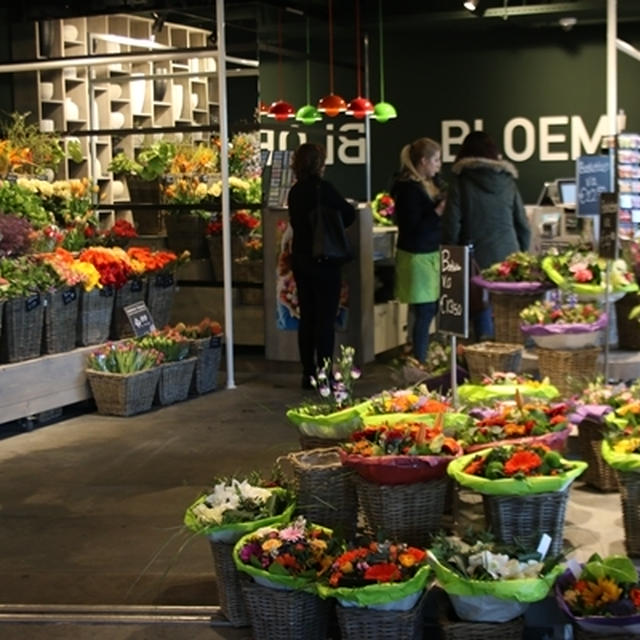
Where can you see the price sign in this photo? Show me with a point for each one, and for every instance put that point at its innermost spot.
(453, 307)
(608, 244)
(139, 318)
(593, 177)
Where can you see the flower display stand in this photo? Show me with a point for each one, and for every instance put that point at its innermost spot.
(598, 474)
(277, 614)
(175, 381)
(407, 512)
(60, 320)
(120, 394)
(568, 369)
(22, 328)
(186, 232)
(228, 580)
(208, 352)
(630, 499)
(94, 316)
(161, 290)
(628, 330)
(486, 357)
(133, 291)
(506, 314)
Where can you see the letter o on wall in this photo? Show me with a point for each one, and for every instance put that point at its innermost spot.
(529, 139)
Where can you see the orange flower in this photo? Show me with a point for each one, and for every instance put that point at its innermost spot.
(525, 461)
(386, 572)
(513, 430)
(475, 466)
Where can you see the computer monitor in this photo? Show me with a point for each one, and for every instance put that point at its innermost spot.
(567, 191)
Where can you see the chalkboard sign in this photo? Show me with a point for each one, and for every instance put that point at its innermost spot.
(453, 307)
(139, 318)
(593, 177)
(608, 244)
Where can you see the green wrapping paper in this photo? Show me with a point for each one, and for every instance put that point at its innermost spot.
(451, 421)
(231, 532)
(479, 393)
(333, 425)
(512, 486)
(373, 595)
(620, 461)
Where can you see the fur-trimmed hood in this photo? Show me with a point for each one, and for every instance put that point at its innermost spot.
(484, 163)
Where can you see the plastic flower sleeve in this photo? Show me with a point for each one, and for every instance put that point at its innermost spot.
(333, 425)
(452, 422)
(620, 461)
(479, 393)
(514, 288)
(564, 328)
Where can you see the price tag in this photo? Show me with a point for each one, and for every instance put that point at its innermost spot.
(574, 566)
(106, 291)
(136, 285)
(543, 545)
(164, 280)
(32, 302)
(69, 296)
(216, 341)
(608, 242)
(139, 318)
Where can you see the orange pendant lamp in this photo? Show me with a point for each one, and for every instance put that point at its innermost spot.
(331, 104)
(359, 107)
(382, 111)
(280, 109)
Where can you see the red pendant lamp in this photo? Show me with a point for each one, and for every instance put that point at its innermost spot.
(331, 104)
(280, 109)
(359, 107)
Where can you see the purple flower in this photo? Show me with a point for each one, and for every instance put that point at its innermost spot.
(251, 549)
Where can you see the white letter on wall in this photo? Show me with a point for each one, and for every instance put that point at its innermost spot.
(547, 138)
(580, 138)
(529, 142)
(351, 143)
(448, 139)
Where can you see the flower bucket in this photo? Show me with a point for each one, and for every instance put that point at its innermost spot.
(506, 314)
(186, 232)
(60, 320)
(175, 381)
(484, 358)
(161, 291)
(336, 426)
(228, 581)
(22, 328)
(598, 474)
(94, 316)
(568, 369)
(208, 352)
(120, 394)
(214, 245)
(147, 221)
(131, 292)
(628, 330)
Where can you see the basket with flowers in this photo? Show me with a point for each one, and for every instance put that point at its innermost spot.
(525, 488)
(383, 208)
(601, 597)
(415, 399)
(490, 581)
(518, 273)
(502, 385)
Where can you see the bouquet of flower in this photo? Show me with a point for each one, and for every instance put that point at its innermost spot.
(502, 385)
(206, 328)
(519, 272)
(244, 154)
(145, 260)
(194, 159)
(123, 357)
(383, 207)
(243, 222)
(118, 235)
(21, 201)
(416, 399)
(487, 580)
(621, 445)
(602, 596)
(386, 575)
(173, 345)
(599, 398)
(291, 555)
(71, 271)
(24, 276)
(113, 265)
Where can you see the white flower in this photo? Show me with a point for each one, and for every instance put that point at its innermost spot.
(355, 374)
(325, 392)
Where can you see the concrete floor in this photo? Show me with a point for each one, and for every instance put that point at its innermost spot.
(91, 507)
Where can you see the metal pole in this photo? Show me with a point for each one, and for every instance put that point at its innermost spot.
(367, 123)
(454, 372)
(224, 170)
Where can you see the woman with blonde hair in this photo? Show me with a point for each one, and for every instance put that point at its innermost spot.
(419, 202)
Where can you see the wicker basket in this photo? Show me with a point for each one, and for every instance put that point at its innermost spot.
(315, 442)
(628, 330)
(362, 623)
(94, 316)
(214, 244)
(60, 320)
(147, 221)
(285, 615)
(598, 474)
(22, 329)
(326, 494)
(186, 232)
(133, 291)
(581, 634)
(175, 381)
(630, 499)
(118, 394)
(407, 512)
(228, 580)
(205, 376)
(506, 314)
(161, 290)
(568, 369)
(461, 630)
(486, 357)
(525, 518)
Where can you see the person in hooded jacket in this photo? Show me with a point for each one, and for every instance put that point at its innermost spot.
(484, 209)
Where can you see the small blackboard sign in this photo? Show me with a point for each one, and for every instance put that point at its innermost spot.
(32, 302)
(608, 244)
(453, 307)
(593, 176)
(139, 318)
(68, 296)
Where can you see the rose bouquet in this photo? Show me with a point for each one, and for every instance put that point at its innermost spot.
(502, 385)
(519, 272)
(490, 581)
(113, 265)
(383, 208)
(72, 271)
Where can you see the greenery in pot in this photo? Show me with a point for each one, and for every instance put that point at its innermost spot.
(172, 344)
(19, 200)
(124, 357)
(150, 163)
(24, 277)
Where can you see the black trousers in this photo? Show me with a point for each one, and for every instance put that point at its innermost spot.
(318, 287)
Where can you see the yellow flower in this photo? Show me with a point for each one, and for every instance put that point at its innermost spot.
(271, 545)
(406, 559)
(215, 189)
(317, 545)
(89, 275)
(601, 592)
(628, 445)
(570, 596)
(346, 567)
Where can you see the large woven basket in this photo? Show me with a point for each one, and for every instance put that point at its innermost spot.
(461, 630)
(214, 246)
(361, 623)
(407, 512)
(568, 369)
(205, 375)
(228, 581)
(133, 291)
(316, 442)
(94, 316)
(630, 499)
(326, 494)
(486, 357)
(506, 314)
(285, 615)
(524, 519)
(581, 634)
(628, 330)
(186, 232)
(147, 221)
(60, 320)
(175, 381)
(598, 474)
(161, 290)
(22, 329)
(118, 394)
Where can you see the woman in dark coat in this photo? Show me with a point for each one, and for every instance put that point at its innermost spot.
(484, 209)
(318, 282)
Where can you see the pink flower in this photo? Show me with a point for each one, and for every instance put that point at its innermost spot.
(583, 275)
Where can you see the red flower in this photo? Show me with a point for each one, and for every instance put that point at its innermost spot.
(525, 461)
(383, 572)
(634, 594)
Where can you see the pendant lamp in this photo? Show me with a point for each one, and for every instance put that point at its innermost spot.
(382, 111)
(308, 113)
(280, 109)
(331, 104)
(359, 107)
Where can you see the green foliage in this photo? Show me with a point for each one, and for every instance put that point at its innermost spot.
(24, 203)
(150, 163)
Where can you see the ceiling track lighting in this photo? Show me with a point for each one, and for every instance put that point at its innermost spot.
(280, 109)
(331, 104)
(359, 107)
(382, 111)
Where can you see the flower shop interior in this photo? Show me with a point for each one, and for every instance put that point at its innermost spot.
(177, 482)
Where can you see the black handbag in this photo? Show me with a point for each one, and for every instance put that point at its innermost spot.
(329, 239)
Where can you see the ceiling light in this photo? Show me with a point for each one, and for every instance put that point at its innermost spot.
(567, 23)
(470, 5)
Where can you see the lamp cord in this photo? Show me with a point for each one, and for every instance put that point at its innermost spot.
(358, 71)
(280, 83)
(308, 64)
(381, 51)
(330, 46)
